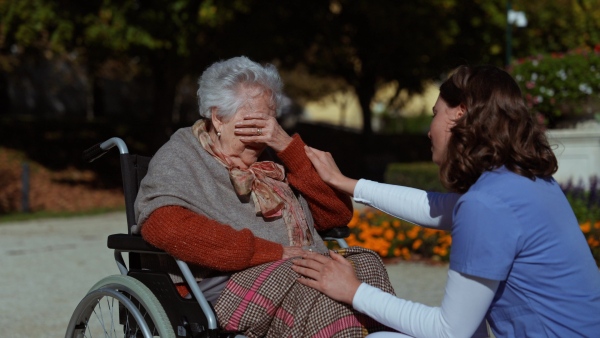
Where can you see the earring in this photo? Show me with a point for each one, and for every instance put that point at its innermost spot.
(219, 134)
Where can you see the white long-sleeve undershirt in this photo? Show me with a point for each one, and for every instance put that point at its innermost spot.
(428, 209)
(466, 301)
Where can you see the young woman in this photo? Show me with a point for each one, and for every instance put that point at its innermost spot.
(518, 256)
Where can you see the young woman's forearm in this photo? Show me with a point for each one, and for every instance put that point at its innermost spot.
(462, 312)
(428, 209)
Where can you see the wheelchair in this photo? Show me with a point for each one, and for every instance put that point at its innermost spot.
(140, 302)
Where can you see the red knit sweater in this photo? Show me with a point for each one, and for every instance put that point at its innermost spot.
(199, 240)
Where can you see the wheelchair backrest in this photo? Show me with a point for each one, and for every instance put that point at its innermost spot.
(133, 170)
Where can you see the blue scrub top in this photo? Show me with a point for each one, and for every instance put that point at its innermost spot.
(524, 233)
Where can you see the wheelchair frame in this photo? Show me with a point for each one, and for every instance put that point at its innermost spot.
(154, 291)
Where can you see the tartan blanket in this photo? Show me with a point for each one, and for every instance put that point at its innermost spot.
(266, 301)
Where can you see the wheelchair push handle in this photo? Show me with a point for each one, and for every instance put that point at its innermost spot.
(96, 151)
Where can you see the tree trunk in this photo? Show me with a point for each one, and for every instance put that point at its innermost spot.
(365, 92)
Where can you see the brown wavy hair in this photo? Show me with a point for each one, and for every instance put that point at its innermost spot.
(496, 129)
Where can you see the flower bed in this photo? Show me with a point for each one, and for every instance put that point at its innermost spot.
(392, 238)
(396, 239)
(592, 235)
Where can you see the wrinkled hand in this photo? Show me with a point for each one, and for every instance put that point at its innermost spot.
(262, 128)
(333, 276)
(328, 170)
(292, 251)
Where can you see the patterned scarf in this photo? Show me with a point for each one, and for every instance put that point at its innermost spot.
(265, 182)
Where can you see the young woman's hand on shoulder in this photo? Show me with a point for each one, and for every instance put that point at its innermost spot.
(329, 171)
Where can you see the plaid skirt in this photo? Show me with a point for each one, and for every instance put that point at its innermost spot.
(266, 301)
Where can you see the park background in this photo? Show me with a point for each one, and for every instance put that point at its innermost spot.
(361, 77)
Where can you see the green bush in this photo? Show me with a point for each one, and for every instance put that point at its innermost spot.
(421, 175)
(561, 86)
(393, 123)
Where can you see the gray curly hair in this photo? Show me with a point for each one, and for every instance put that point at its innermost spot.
(221, 84)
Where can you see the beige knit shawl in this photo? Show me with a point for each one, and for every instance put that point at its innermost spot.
(182, 173)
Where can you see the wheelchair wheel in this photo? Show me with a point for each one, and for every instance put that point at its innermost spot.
(119, 306)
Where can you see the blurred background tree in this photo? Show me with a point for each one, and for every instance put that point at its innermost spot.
(119, 40)
(557, 26)
(364, 43)
(137, 61)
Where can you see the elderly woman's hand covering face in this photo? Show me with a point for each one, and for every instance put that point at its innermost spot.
(253, 127)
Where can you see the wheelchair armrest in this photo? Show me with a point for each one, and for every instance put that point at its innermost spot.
(130, 243)
(339, 232)
(133, 243)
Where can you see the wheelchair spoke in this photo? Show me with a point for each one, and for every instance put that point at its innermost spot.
(106, 315)
(100, 317)
(119, 306)
(111, 307)
(97, 310)
(146, 317)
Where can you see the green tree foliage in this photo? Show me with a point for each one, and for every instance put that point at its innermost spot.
(360, 43)
(557, 26)
(123, 26)
(167, 40)
(369, 43)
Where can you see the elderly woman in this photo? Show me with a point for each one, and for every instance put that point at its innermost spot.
(217, 196)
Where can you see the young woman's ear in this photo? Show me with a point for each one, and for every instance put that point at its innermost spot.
(460, 111)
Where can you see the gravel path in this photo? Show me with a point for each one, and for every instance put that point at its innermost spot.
(49, 265)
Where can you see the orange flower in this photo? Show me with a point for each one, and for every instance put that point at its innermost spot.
(429, 232)
(377, 231)
(443, 252)
(361, 236)
(388, 234)
(585, 227)
(355, 219)
(365, 230)
(417, 244)
(405, 253)
(446, 239)
(413, 232)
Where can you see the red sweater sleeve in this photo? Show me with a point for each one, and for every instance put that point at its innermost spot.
(329, 207)
(196, 239)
